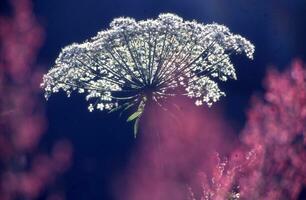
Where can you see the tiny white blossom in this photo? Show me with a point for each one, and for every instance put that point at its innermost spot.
(90, 108)
(100, 106)
(133, 62)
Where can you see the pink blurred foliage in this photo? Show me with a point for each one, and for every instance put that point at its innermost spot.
(276, 131)
(175, 148)
(223, 183)
(176, 157)
(25, 172)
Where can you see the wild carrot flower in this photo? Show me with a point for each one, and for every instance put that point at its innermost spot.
(136, 61)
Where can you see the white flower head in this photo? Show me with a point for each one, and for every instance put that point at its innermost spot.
(136, 61)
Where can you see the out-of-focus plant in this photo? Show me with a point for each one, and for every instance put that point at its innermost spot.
(165, 166)
(135, 63)
(25, 172)
(276, 130)
(222, 182)
(272, 164)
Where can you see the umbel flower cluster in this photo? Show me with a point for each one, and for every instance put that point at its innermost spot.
(136, 61)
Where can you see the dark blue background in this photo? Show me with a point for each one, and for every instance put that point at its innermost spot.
(103, 142)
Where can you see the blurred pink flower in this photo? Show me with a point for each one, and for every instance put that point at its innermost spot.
(276, 130)
(176, 153)
(24, 172)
